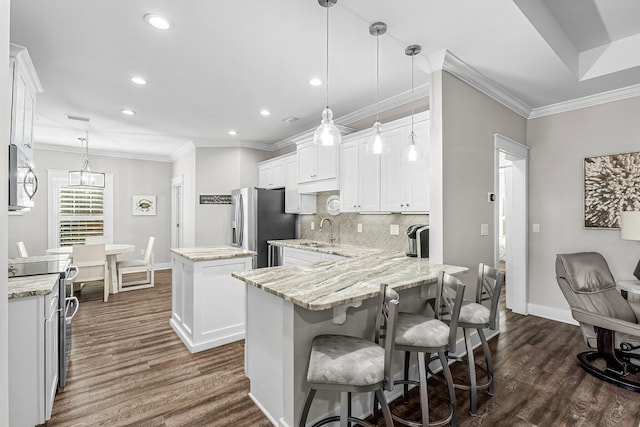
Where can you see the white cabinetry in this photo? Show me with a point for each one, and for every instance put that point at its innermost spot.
(33, 358)
(404, 186)
(359, 178)
(317, 167)
(25, 86)
(272, 174)
(294, 202)
(292, 256)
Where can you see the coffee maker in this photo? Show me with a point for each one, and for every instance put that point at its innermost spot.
(418, 235)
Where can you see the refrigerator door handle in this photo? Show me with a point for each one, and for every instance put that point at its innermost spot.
(241, 221)
(234, 225)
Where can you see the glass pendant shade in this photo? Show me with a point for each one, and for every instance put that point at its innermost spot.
(86, 177)
(377, 143)
(412, 152)
(327, 133)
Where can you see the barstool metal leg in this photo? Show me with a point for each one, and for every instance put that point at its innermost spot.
(344, 404)
(452, 391)
(424, 395)
(307, 405)
(407, 359)
(386, 412)
(489, 361)
(473, 390)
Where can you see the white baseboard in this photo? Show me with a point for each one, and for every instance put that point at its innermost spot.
(263, 409)
(552, 313)
(161, 266)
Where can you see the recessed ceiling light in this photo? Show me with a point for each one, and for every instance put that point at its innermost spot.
(159, 22)
(127, 112)
(138, 80)
(315, 81)
(233, 132)
(265, 113)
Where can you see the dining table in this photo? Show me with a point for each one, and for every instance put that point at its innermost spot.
(112, 250)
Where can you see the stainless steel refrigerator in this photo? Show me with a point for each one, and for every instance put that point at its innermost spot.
(258, 216)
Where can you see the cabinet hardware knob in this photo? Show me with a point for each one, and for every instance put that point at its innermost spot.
(402, 206)
(407, 204)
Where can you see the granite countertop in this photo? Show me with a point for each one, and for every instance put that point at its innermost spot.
(208, 253)
(348, 251)
(330, 284)
(20, 287)
(39, 258)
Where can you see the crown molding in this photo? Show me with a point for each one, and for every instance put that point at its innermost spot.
(586, 101)
(207, 143)
(41, 145)
(21, 56)
(447, 61)
(184, 149)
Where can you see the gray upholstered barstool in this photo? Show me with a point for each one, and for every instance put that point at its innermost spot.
(424, 335)
(477, 316)
(354, 365)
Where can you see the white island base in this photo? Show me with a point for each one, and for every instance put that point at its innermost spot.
(208, 306)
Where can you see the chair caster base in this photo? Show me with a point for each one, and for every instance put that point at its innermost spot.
(629, 380)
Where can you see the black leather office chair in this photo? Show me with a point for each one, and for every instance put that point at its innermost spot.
(608, 322)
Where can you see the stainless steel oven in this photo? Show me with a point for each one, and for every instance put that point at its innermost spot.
(23, 182)
(67, 303)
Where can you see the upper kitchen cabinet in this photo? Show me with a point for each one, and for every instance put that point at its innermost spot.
(294, 202)
(272, 173)
(25, 86)
(317, 167)
(404, 186)
(359, 177)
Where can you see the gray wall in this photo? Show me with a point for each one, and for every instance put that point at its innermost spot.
(559, 144)
(469, 121)
(129, 177)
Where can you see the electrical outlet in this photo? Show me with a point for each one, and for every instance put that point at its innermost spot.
(394, 229)
(313, 225)
(359, 228)
(536, 228)
(484, 229)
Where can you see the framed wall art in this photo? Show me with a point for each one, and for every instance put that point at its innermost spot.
(143, 204)
(611, 185)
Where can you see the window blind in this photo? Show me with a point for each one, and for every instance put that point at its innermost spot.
(81, 214)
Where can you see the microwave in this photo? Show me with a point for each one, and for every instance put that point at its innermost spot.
(23, 182)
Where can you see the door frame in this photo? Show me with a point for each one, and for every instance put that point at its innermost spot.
(517, 290)
(177, 211)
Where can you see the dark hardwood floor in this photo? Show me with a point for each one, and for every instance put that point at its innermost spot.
(128, 368)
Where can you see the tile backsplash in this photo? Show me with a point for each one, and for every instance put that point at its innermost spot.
(375, 228)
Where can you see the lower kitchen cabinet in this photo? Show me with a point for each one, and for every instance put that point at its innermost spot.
(33, 358)
(293, 256)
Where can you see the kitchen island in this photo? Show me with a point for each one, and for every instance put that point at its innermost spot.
(207, 305)
(288, 306)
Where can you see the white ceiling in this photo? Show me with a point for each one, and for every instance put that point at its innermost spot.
(223, 62)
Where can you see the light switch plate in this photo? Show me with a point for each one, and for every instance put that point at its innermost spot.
(394, 229)
(313, 225)
(359, 228)
(536, 228)
(484, 229)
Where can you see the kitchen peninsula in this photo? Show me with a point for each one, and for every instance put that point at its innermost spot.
(287, 306)
(207, 305)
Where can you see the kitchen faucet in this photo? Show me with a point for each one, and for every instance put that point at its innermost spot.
(331, 238)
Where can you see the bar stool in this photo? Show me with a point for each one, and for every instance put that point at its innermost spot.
(354, 365)
(476, 316)
(420, 334)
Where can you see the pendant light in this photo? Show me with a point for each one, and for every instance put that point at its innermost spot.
(413, 152)
(327, 133)
(377, 144)
(86, 177)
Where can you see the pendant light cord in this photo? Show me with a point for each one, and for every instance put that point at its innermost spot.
(328, 6)
(377, 75)
(412, 85)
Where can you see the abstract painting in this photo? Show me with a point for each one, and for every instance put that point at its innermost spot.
(611, 185)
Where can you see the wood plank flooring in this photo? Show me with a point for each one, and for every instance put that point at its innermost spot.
(128, 368)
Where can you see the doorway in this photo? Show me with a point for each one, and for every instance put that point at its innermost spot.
(176, 212)
(510, 240)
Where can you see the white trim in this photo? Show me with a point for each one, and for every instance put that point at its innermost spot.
(162, 266)
(551, 313)
(186, 148)
(21, 56)
(42, 145)
(264, 410)
(586, 101)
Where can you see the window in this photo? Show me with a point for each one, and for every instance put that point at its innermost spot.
(78, 212)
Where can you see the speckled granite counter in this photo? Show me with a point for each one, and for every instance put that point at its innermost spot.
(325, 285)
(348, 251)
(208, 253)
(20, 287)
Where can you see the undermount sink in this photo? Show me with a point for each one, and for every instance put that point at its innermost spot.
(315, 244)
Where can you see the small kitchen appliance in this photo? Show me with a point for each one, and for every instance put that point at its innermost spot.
(418, 235)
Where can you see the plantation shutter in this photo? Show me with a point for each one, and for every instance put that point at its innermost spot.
(81, 214)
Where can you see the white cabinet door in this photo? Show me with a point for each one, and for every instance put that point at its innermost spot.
(294, 202)
(368, 179)
(265, 176)
(326, 162)
(349, 179)
(418, 173)
(279, 174)
(306, 156)
(51, 356)
(393, 177)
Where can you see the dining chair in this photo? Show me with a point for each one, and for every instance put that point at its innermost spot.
(22, 249)
(92, 240)
(137, 266)
(91, 261)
